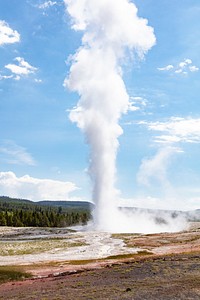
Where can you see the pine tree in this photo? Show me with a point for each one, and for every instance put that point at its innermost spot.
(2, 219)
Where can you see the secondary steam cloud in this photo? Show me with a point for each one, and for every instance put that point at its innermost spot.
(112, 31)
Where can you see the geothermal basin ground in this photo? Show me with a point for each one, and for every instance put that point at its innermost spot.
(65, 264)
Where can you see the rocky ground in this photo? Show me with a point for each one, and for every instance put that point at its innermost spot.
(165, 266)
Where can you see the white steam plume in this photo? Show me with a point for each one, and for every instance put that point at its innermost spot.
(111, 30)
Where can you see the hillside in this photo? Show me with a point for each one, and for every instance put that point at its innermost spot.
(22, 212)
(68, 204)
(54, 203)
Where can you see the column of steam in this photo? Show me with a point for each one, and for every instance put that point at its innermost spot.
(110, 28)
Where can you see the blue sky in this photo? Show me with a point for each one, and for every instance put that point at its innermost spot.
(44, 155)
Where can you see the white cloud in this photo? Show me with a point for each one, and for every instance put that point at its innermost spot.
(175, 202)
(2, 77)
(184, 67)
(154, 172)
(193, 68)
(23, 68)
(12, 153)
(155, 168)
(139, 100)
(179, 71)
(167, 68)
(177, 130)
(31, 188)
(188, 61)
(184, 63)
(136, 103)
(7, 34)
(38, 80)
(47, 4)
(17, 77)
(132, 107)
(167, 139)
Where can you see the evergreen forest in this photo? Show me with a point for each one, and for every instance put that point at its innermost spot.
(26, 213)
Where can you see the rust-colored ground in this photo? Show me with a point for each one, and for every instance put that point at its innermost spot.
(171, 271)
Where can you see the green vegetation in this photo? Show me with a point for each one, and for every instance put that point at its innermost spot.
(12, 273)
(19, 213)
(112, 257)
(130, 255)
(34, 247)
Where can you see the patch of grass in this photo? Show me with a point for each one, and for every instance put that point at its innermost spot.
(122, 235)
(12, 274)
(119, 256)
(34, 247)
(89, 261)
(83, 262)
(144, 252)
(130, 255)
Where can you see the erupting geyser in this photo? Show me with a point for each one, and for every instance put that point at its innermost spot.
(111, 31)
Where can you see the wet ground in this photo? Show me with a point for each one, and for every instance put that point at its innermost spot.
(167, 266)
(39, 245)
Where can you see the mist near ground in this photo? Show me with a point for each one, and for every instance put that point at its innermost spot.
(135, 220)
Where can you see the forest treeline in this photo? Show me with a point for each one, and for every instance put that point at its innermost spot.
(19, 213)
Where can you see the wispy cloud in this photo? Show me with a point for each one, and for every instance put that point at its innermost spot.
(38, 80)
(155, 173)
(12, 153)
(22, 68)
(193, 68)
(183, 201)
(155, 168)
(176, 130)
(184, 67)
(136, 103)
(47, 4)
(169, 137)
(31, 188)
(167, 68)
(2, 77)
(7, 34)
(132, 106)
